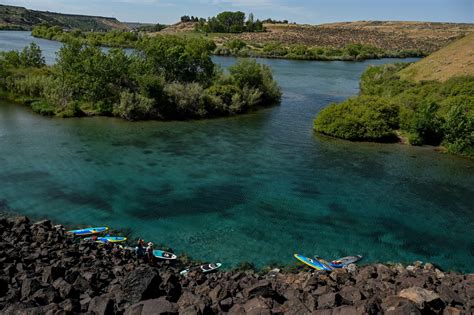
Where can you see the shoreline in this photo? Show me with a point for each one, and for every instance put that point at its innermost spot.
(46, 271)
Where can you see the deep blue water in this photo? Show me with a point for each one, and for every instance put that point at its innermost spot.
(255, 188)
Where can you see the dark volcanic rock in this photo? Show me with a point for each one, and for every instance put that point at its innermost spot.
(142, 283)
(44, 271)
(394, 305)
(101, 305)
(151, 307)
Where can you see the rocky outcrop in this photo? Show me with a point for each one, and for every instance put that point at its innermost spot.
(44, 271)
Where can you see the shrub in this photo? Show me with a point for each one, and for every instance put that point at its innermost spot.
(134, 106)
(363, 118)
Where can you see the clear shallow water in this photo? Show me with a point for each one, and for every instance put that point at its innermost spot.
(256, 188)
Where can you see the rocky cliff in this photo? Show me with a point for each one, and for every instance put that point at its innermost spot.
(44, 271)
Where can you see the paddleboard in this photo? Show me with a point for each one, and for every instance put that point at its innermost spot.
(310, 262)
(108, 239)
(345, 261)
(210, 267)
(206, 268)
(88, 231)
(164, 255)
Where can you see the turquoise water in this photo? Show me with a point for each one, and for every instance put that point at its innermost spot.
(255, 188)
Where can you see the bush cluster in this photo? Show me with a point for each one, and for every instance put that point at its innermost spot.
(166, 78)
(434, 113)
(114, 38)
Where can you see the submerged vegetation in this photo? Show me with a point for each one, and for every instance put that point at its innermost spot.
(166, 78)
(431, 112)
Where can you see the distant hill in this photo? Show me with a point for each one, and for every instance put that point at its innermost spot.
(456, 59)
(12, 17)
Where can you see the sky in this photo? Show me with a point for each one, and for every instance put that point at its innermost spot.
(300, 11)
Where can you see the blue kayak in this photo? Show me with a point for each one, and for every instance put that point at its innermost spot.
(108, 239)
(324, 263)
(88, 231)
(164, 255)
(313, 263)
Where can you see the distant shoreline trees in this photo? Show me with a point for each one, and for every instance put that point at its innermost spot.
(230, 22)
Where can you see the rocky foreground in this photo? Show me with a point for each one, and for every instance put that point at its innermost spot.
(44, 271)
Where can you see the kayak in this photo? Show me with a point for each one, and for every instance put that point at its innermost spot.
(313, 263)
(88, 231)
(345, 261)
(108, 239)
(326, 265)
(206, 268)
(164, 255)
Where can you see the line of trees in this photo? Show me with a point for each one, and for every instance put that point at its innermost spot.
(187, 18)
(167, 77)
(230, 22)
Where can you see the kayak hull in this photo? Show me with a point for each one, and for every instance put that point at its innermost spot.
(88, 231)
(108, 239)
(315, 264)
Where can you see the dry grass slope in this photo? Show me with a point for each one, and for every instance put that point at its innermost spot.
(456, 59)
(388, 35)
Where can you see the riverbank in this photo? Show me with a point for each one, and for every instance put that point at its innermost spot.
(233, 47)
(44, 271)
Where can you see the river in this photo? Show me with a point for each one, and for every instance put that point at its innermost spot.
(253, 188)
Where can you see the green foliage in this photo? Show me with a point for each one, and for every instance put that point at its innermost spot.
(368, 118)
(250, 74)
(459, 125)
(113, 38)
(431, 113)
(235, 44)
(166, 78)
(230, 22)
(152, 28)
(179, 59)
(30, 56)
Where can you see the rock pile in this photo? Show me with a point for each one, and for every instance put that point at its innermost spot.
(43, 271)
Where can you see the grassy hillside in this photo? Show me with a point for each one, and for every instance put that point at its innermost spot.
(457, 59)
(389, 36)
(429, 102)
(12, 17)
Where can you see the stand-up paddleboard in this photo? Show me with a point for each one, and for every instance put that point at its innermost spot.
(88, 231)
(206, 268)
(108, 239)
(310, 262)
(326, 265)
(345, 261)
(164, 255)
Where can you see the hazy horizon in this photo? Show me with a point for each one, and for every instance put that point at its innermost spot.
(300, 11)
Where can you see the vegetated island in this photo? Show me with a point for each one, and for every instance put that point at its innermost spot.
(45, 271)
(428, 102)
(167, 77)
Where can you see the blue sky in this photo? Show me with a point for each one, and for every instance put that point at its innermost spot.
(301, 11)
